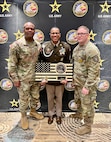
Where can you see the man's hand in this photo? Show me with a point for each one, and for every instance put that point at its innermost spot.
(43, 82)
(17, 83)
(85, 91)
(72, 85)
(63, 81)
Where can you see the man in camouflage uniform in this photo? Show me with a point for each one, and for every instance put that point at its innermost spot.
(55, 51)
(86, 58)
(23, 55)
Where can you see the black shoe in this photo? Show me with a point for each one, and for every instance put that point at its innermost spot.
(58, 120)
(50, 119)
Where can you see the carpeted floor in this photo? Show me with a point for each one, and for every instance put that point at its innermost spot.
(40, 131)
(101, 130)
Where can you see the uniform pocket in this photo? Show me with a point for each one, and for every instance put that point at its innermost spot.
(86, 99)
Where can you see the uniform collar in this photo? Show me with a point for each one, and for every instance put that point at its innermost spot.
(28, 43)
(56, 43)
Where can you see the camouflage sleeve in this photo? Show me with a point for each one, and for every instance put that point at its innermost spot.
(12, 63)
(93, 68)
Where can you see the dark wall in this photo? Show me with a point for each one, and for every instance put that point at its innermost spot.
(97, 18)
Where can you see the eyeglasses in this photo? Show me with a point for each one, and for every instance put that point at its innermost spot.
(81, 34)
(54, 33)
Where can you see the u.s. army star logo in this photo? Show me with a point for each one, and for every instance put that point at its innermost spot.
(92, 35)
(55, 7)
(18, 35)
(14, 103)
(5, 6)
(105, 7)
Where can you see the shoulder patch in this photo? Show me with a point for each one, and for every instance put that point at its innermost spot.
(96, 58)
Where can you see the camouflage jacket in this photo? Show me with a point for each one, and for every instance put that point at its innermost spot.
(86, 65)
(22, 60)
